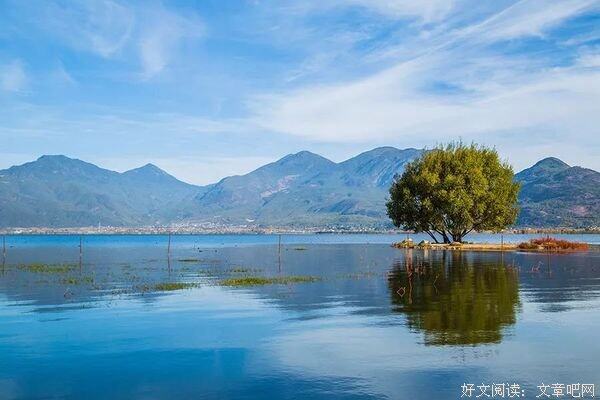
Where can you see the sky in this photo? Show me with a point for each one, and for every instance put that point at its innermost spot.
(210, 88)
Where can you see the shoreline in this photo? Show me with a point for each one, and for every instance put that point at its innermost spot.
(245, 230)
(463, 247)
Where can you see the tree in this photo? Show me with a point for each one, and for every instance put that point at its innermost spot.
(453, 190)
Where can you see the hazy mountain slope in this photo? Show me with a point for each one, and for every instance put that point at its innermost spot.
(240, 198)
(307, 189)
(302, 189)
(160, 196)
(58, 191)
(555, 194)
(377, 167)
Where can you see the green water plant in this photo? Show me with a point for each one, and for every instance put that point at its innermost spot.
(171, 286)
(47, 268)
(260, 280)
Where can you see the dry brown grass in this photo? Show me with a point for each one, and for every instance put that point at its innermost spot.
(553, 244)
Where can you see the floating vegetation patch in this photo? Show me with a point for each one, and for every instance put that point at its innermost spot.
(199, 260)
(242, 270)
(47, 268)
(72, 280)
(171, 286)
(259, 280)
(360, 275)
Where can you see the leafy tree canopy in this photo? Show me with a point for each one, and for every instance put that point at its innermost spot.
(452, 190)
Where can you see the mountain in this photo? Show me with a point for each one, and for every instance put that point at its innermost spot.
(306, 189)
(556, 194)
(302, 189)
(57, 191)
(377, 167)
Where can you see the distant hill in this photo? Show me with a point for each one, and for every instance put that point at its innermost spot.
(57, 191)
(556, 194)
(302, 189)
(307, 189)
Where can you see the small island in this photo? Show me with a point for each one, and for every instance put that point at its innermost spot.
(453, 190)
(547, 244)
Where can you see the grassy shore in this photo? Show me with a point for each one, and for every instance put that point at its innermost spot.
(541, 245)
(458, 246)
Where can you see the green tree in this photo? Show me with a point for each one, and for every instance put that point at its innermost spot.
(453, 190)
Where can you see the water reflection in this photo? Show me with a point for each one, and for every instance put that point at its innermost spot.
(93, 331)
(457, 302)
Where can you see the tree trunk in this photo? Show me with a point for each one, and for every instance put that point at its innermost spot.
(446, 238)
(432, 236)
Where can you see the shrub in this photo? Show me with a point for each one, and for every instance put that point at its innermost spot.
(553, 244)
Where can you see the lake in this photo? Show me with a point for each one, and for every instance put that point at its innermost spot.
(335, 317)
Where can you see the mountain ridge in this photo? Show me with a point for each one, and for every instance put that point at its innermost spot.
(299, 189)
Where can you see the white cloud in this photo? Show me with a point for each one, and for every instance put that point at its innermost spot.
(529, 18)
(391, 104)
(424, 10)
(147, 32)
(62, 76)
(589, 60)
(102, 27)
(12, 76)
(160, 37)
(427, 10)
(453, 85)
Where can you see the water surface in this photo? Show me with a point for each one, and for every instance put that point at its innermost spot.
(378, 322)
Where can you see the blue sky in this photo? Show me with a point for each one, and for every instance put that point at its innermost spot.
(206, 89)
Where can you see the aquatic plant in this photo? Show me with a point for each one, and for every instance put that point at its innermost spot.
(259, 280)
(47, 268)
(72, 280)
(170, 286)
(242, 270)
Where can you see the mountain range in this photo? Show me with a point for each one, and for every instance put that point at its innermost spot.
(299, 190)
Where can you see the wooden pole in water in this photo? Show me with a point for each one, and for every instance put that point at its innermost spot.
(279, 253)
(80, 250)
(169, 245)
(3, 252)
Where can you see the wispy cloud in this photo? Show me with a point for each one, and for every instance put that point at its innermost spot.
(12, 76)
(102, 27)
(529, 18)
(453, 84)
(423, 10)
(160, 37)
(115, 30)
(186, 80)
(426, 10)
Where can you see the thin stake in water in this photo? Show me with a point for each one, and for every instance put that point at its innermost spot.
(169, 245)
(169, 254)
(3, 252)
(279, 253)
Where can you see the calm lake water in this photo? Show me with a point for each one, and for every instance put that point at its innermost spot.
(371, 322)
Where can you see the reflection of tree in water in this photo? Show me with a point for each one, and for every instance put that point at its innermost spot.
(455, 301)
